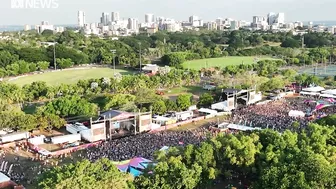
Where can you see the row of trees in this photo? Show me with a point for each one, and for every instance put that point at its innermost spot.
(264, 159)
(128, 84)
(74, 48)
(11, 116)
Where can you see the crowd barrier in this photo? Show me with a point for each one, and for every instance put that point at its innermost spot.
(64, 151)
(74, 149)
(162, 128)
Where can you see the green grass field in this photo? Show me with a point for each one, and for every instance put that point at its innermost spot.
(220, 62)
(68, 76)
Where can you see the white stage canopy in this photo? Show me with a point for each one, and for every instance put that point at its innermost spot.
(296, 113)
(223, 106)
(242, 128)
(314, 89)
(208, 111)
(330, 92)
(327, 96)
(309, 93)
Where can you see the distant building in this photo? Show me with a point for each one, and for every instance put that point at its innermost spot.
(332, 29)
(27, 27)
(259, 22)
(81, 19)
(105, 19)
(276, 19)
(44, 26)
(212, 26)
(298, 24)
(149, 18)
(115, 16)
(132, 24)
(195, 21)
(235, 25)
(310, 25)
(152, 30)
(60, 29)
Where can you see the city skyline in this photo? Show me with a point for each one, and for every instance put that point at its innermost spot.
(179, 10)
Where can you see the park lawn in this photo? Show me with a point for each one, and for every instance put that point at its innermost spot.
(196, 90)
(220, 62)
(68, 76)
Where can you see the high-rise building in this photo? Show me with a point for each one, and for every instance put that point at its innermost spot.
(271, 18)
(132, 24)
(149, 18)
(193, 19)
(44, 23)
(219, 21)
(212, 25)
(276, 19)
(105, 19)
(281, 18)
(81, 18)
(258, 19)
(234, 25)
(115, 16)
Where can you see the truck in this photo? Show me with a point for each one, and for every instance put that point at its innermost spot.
(66, 139)
(182, 116)
(14, 137)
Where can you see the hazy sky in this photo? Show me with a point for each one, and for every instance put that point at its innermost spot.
(66, 13)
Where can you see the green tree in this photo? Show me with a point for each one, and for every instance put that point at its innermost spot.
(85, 175)
(290, 42)
(159, 107)
(205, 100)
(42, 65)
(64, 63)
(174, 59)
(183, 101)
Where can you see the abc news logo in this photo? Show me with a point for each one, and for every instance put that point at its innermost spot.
(34, 4)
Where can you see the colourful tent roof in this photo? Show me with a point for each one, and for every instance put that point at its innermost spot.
(133, 165)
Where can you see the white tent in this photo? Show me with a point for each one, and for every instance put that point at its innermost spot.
(309, 93)
(4, 178)
(223, 106)
(242, 128)
(208, 111)
(296, 113)
(314, 89)
(327, 96)
(330, 92)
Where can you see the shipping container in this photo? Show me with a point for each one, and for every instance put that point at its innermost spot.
(14, 137)
(66, 139)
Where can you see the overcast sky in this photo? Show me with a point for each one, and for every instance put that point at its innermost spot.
(66, 13)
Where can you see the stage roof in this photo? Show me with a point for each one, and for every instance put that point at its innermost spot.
(208, 111)
(116, 115)
(4, 178)
(314, 89)
(242, 128)
(330, 92)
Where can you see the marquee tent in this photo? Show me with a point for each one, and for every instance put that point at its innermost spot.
(208, 111)
(133, 166)
(314, 89)
(223, 106)
(242, 127)
(296, 113)
(330, 92)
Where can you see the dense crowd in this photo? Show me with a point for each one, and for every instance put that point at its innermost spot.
(273, 115)
(143, 145)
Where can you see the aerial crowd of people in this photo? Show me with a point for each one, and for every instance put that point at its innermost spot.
(273, 115)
